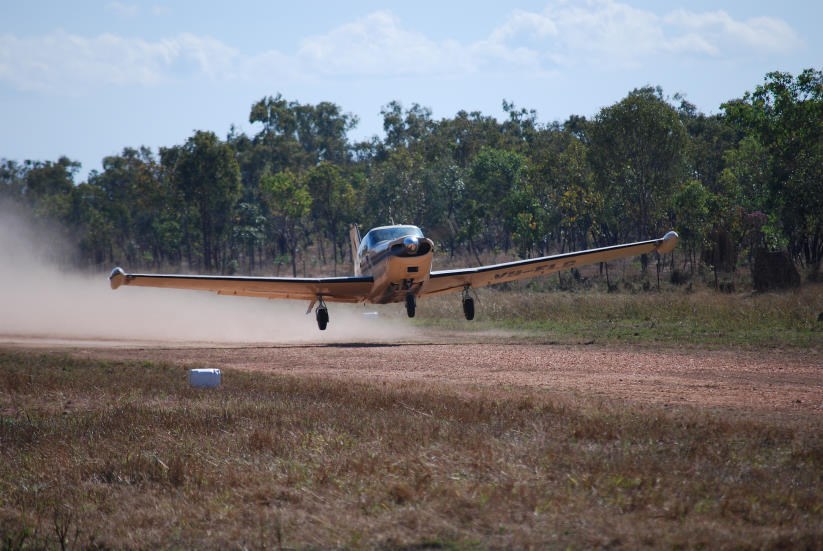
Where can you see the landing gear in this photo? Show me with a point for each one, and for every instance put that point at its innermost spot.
(468, 304)
(322, 315)
(411, 305)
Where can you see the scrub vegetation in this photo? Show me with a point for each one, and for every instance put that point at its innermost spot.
(112, 455)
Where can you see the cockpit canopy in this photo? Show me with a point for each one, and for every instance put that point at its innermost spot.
(386, 233)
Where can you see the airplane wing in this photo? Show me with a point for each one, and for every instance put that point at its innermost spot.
(454, 280)
(333, 289)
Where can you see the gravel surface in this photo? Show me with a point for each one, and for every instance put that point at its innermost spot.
(785, 382)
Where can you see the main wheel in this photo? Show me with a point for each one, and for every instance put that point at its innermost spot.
(468, 308)
(322, 318)
(411, 305)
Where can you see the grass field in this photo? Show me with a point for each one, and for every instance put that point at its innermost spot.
(112, 455)
(672, 317)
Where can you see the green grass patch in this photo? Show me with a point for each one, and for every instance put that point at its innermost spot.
(775, 320)
(125, 454)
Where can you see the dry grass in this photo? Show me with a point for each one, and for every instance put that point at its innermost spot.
(126, 455)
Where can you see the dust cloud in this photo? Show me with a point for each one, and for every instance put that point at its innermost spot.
(39, 300)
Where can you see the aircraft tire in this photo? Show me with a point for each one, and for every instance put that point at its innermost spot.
(322, 318)
(411, 305)
(468, 308)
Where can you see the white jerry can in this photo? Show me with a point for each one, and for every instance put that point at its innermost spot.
(204, 378)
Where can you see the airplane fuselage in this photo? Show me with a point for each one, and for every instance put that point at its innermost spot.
(399, 258)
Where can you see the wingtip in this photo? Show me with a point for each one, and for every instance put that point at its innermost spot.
(668, 242)
(117, 277)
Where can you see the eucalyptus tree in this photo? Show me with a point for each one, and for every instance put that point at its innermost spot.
(288, 199)
(709, 137)
(521, 128)
(12, 176)
(48, 186)
(139, 206)
(333, 204)
(570, 202)
(784, 115)
(322, 131)
(496, 198)
(406, 128)
(405, 188)
(466, 134)
(298, 136)
(693, 212)
(206, 173)
(249, 234)
(637, 150)
(277, 147)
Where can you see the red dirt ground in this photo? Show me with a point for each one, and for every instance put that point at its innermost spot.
(787, 383)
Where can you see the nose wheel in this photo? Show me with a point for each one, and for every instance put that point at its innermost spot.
(411, 305)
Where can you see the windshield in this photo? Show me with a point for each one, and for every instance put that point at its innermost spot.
(393, 232)
(388, 233)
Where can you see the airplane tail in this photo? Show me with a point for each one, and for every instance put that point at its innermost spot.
(354, 235)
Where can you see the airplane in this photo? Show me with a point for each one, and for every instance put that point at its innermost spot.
(392, 264)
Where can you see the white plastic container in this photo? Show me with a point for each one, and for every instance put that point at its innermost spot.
(204, 378)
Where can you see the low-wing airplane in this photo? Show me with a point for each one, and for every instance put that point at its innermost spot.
(392, 264)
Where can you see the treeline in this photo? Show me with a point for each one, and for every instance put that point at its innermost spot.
(749, 177)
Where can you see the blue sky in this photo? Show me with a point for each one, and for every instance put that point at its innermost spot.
(86, 79)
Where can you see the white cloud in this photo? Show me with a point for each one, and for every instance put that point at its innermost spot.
(161, 11)
(614, 34)
(72, 64)
(762, 34)
(378, 45)
(126, 11)
(601, 33)
(692, 43)
(524, 23)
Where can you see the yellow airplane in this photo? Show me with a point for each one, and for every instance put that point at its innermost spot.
(393, 264)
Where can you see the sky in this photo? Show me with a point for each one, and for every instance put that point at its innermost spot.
(86, 79)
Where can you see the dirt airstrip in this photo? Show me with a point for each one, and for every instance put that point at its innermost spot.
(787, 383)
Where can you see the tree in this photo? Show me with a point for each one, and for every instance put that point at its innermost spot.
(637, 152)
(571, 202)
(709, 137)
(138, 205)
(249, 231)
(322, 130)
(406, 130)
(332, 204)
(405, 189)
(693, 213)
(48, 187)
(299, 136)
(521, 128)
(289, 201)
(784, 115)
(12, 180)
(495, 195)
(208, 177)
(98, 236)
(465, 135)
